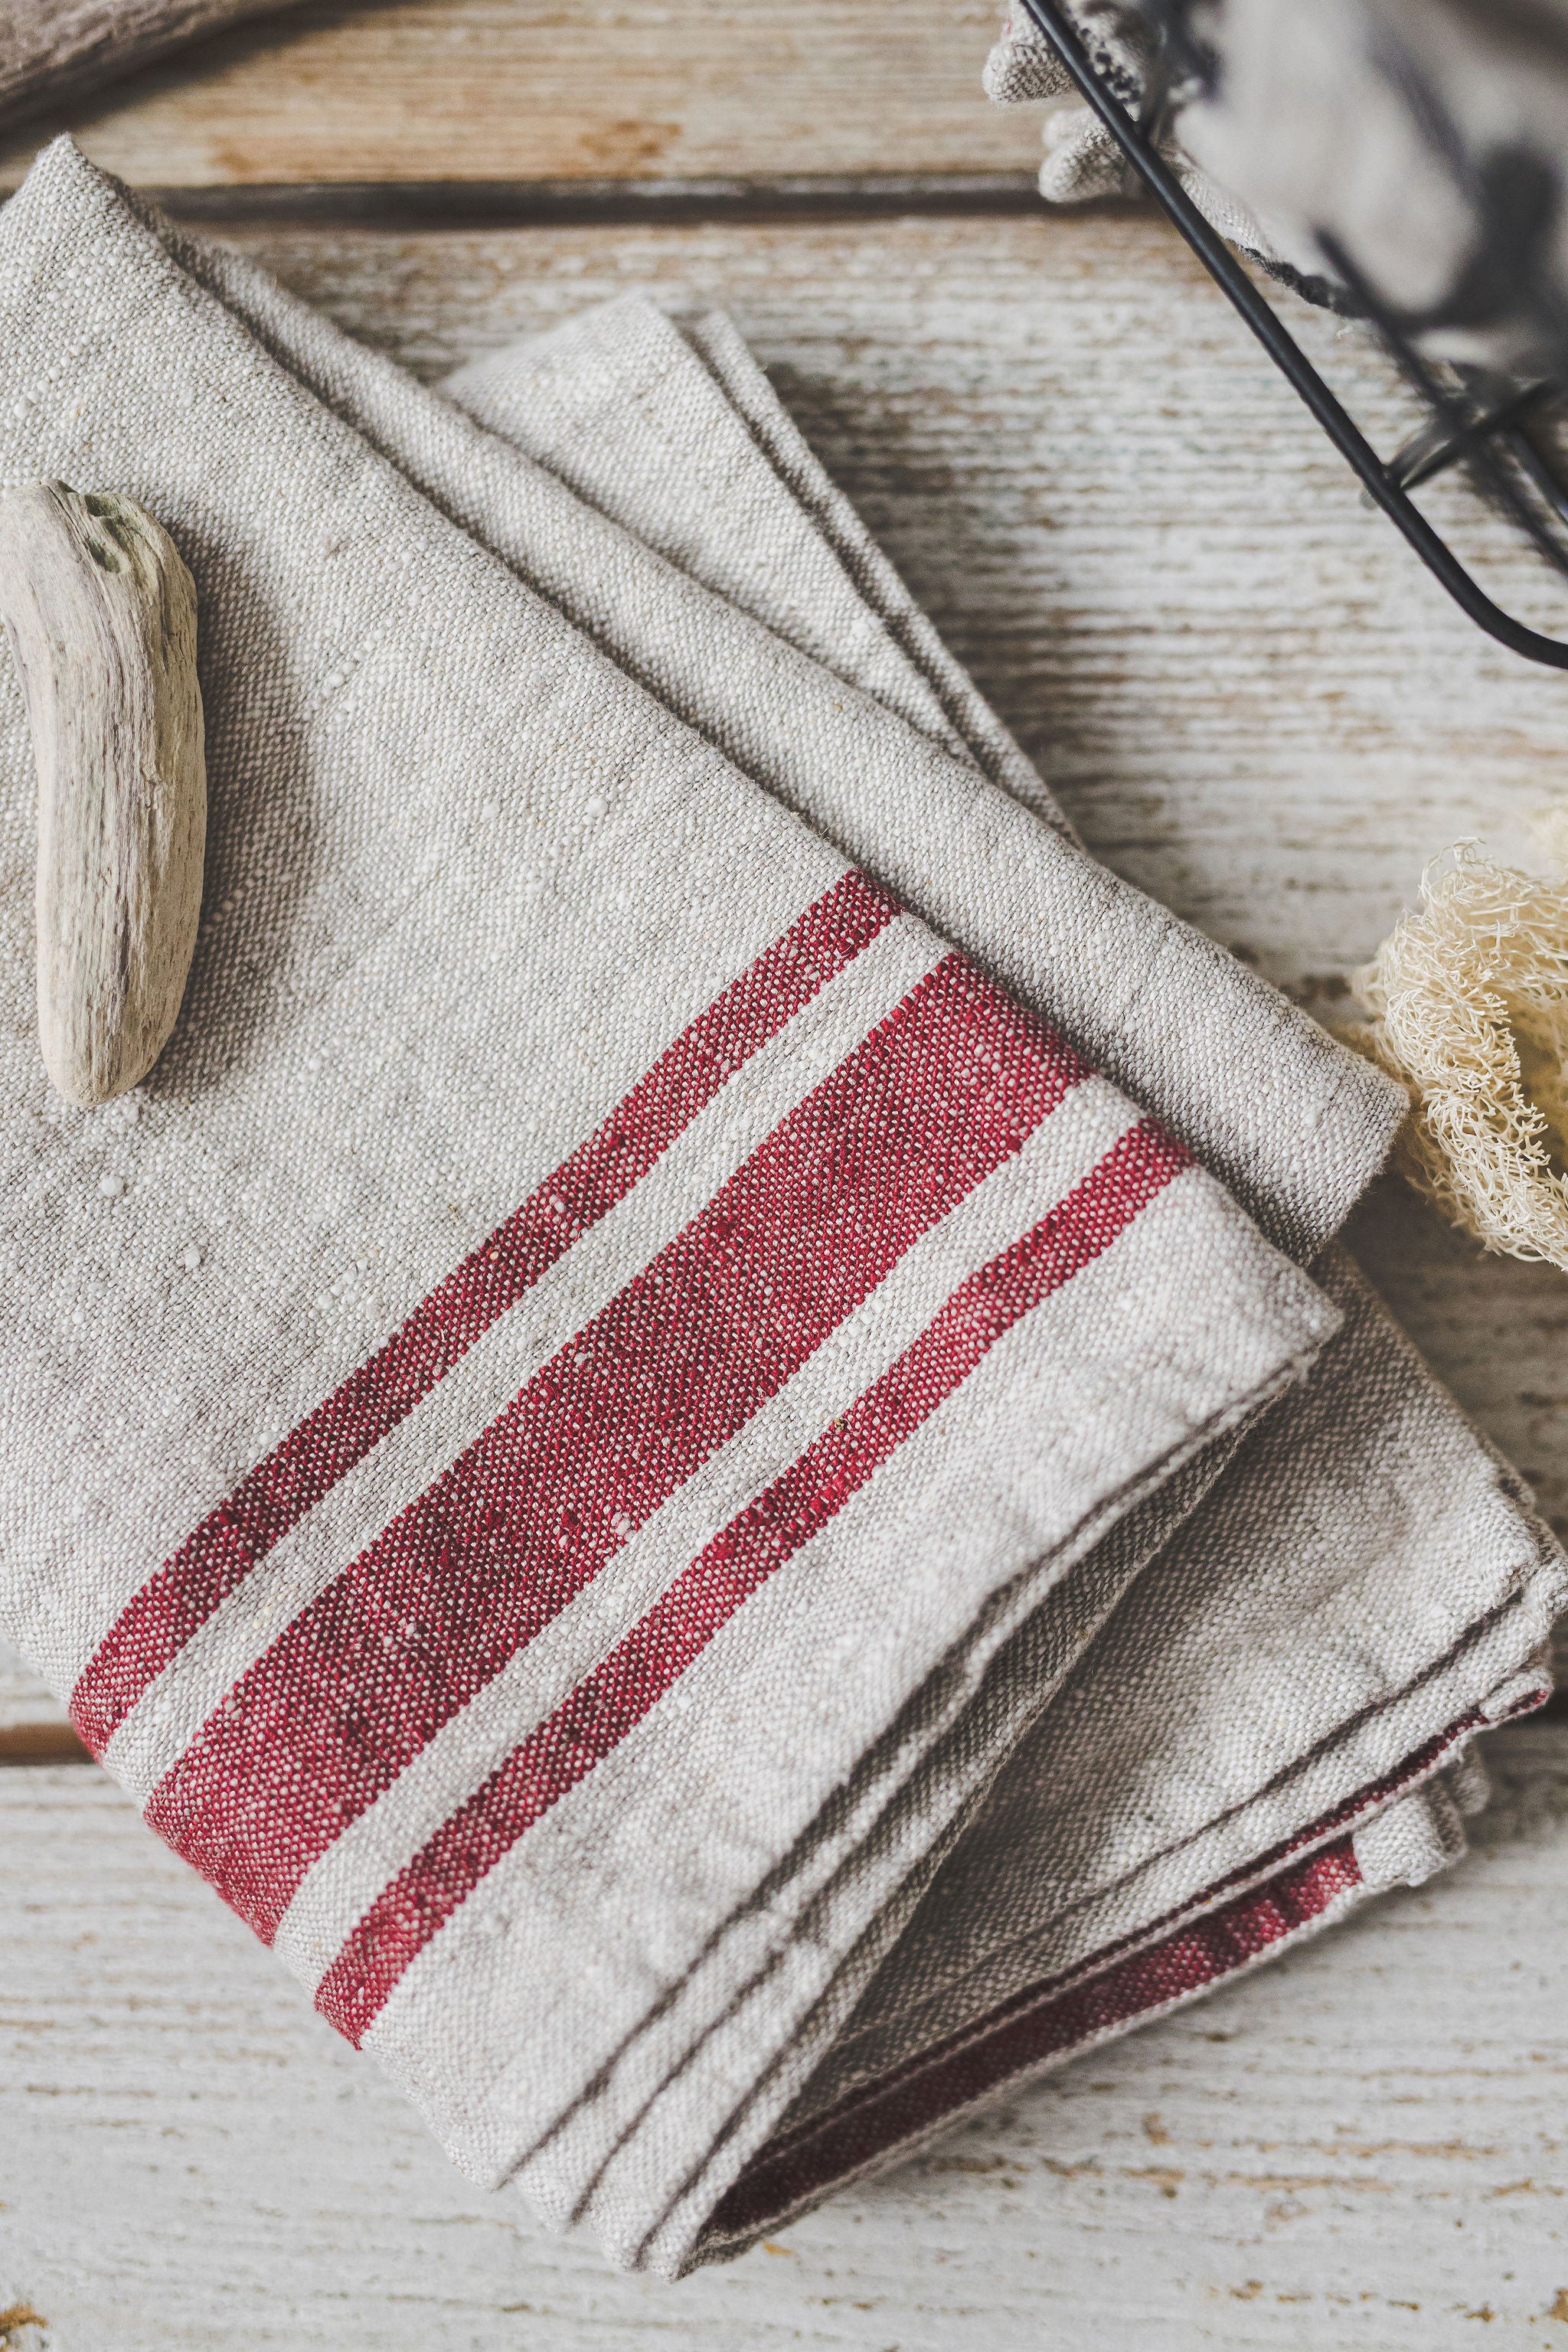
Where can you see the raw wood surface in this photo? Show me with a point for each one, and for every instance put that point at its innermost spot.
(533, 90)
(51, 48)
(1250, 697)
(1253, 701)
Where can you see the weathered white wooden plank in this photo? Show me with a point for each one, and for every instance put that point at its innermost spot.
(503, 89)
(1361, 2146)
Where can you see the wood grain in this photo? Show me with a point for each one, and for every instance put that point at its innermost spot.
(561, 89)
(1254, 703)
(1361, 2146)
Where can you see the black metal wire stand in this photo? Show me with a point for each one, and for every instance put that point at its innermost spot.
(1460, 431)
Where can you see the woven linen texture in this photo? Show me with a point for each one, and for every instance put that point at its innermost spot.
(643, 1345)
(1363, 150)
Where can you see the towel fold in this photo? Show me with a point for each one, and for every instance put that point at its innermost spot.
(1378, 155)
(692, 1454)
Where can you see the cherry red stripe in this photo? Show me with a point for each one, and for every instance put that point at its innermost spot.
(1185, 1963)
(653, 1656)
(276, 1495)
(942, 1092)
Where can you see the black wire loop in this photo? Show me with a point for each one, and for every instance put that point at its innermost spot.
(1459, 433)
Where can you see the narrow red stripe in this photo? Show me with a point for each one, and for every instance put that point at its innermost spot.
(276, 1495)
(653, 1656)
(1185, 1963)
(940, 1092)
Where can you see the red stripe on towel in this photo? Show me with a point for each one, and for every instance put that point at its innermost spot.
(652, 1657)
(887, 2116)
(948, 1087)
(271, 1498)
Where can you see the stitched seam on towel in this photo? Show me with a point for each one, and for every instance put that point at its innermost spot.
(1413, 1768)
(1087, 1533)
(1187, 1963)
(1246, 1877)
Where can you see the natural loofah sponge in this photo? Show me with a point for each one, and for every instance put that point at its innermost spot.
(1469, 1004)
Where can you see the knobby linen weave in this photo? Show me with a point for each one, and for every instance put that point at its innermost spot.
(586, 1444)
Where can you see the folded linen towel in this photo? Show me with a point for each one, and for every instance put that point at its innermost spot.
(591, 1685)
(1365, 1495)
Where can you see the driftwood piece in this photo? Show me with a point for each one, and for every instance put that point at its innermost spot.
(102, 617)
(54, 50)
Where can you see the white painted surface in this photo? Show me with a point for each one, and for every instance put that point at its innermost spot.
(1254, 702)
(1362, 2147)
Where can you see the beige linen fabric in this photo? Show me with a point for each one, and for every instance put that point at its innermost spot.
(1362, 1501)
(509, 711)
(1380, 154)
(1293, 1124)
